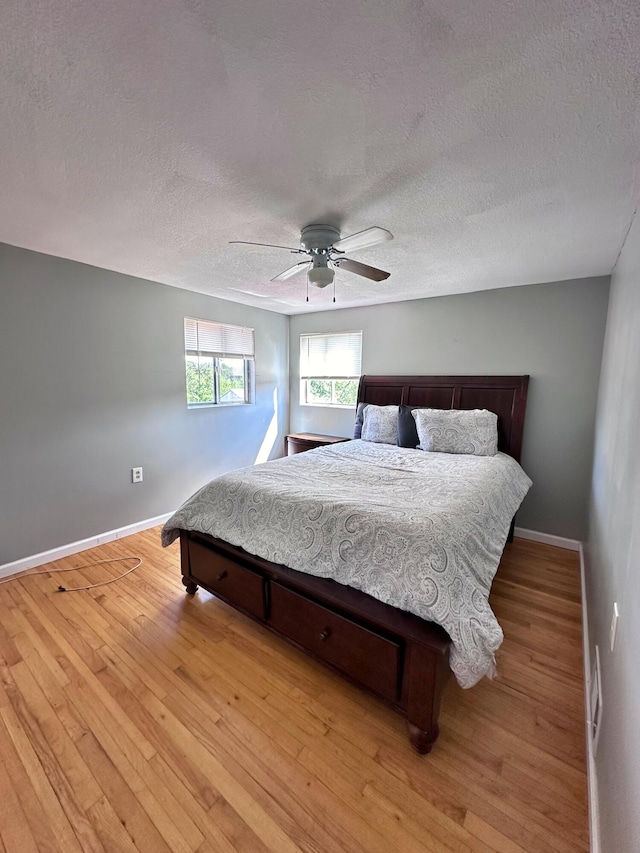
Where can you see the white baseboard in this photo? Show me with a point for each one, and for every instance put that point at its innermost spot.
(82, 545)
(547, 539)
(592, 779)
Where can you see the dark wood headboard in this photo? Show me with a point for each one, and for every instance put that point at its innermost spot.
(504, 395)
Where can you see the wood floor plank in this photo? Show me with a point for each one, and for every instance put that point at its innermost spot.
(74, 786)
(143, 833)
(44, 670)
(136, 718)
(233, 792)
(46, 794)
(494, 839)
(47, 731)
(76, 666)
(110, 828)
(380, 830)
(185, 799)
(14, 827)
(282, 786)
(35, 815)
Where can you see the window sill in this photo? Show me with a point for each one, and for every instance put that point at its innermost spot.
(351, 406)
(196, 406)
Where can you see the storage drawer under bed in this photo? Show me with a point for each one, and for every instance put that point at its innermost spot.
(227, 580)
(366, 656)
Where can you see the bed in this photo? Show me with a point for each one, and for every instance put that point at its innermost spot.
(403, 657)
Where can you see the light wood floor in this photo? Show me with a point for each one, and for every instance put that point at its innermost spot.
(134, 717)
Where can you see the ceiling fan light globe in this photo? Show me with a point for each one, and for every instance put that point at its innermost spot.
(321, 276)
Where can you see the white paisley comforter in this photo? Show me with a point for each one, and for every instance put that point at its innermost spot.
(423, 532)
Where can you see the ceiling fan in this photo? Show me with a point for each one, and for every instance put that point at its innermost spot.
(326, 253)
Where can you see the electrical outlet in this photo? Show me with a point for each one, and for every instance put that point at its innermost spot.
(136, 475)
(614, 625)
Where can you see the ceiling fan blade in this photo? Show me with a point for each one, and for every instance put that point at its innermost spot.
(368, 237)
(268, 245)
(361, 269)
(303, 266)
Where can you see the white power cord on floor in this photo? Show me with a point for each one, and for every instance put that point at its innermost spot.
(30, 573)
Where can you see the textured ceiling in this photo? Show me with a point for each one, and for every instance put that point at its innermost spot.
(498, 141)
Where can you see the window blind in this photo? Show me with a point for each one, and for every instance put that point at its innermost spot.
(336, 356)
(218, 340)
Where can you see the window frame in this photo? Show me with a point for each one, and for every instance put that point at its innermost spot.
(307, 378)
(247, 354)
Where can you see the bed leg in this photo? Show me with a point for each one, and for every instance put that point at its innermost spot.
(422, 741)
(190, 585)
(511, 529)
(185, 563)
(428, 672)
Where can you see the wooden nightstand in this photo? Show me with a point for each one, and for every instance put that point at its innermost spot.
(297, 442)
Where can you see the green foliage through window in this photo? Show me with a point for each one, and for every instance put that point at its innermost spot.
(199, 380)
(330, 392)
(216, 380)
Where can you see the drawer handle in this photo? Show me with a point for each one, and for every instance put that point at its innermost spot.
(325, 634)
(222, 576)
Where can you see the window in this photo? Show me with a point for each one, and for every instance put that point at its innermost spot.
(219, 363)
(330, 369)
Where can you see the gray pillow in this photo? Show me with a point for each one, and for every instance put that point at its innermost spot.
(380, 424)
(357, 427)
(407, 432)
(468, 431)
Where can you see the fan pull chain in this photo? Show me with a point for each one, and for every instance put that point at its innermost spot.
(334, 286)
(307, 285)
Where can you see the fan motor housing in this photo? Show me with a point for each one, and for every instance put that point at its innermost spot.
(319, 237)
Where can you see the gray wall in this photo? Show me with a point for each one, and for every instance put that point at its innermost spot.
(554, 332)
(613, 557)
(92, 383)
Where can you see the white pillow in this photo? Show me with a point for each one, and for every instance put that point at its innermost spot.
(380, 424)
(470, 431)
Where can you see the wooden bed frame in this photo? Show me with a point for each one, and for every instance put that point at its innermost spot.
(396, 655)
